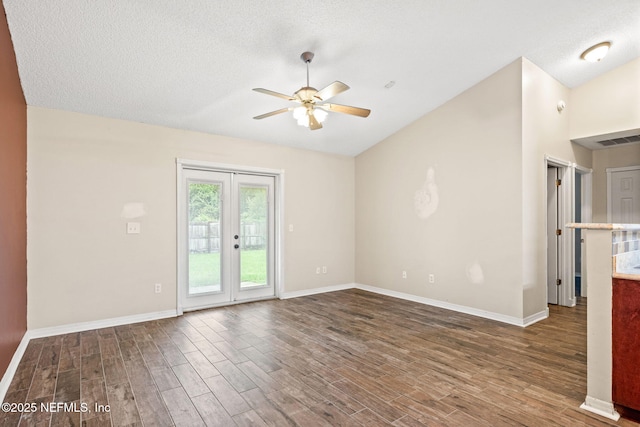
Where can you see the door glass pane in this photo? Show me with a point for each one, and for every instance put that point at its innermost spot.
(254, 235)
(204, 237)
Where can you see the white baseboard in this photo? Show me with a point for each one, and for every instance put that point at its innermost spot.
(530, 320)
(459, 308)
(99, 324)
(315, 291)
(13, 367)
(600, 407)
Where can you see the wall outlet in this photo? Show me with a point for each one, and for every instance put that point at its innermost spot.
(158, 288)
(290, 227)
(324, 269)
(404, 274)
(317, 270)
(432, 278)
(133, 228)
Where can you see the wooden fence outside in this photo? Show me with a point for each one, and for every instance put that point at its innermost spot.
(204, 237)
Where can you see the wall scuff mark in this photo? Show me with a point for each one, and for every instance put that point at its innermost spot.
(426, 199)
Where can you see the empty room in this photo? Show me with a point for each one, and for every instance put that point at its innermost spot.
(218, 213)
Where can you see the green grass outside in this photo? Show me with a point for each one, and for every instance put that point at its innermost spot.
(204, 269)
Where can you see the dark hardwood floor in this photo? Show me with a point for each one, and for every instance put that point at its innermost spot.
(341, 358)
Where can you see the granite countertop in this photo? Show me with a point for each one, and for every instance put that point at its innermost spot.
(627, 265)
(603, 226)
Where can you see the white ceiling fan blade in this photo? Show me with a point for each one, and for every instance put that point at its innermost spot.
(332, 90)
(345, 109)
(272, 93)
(272, 113)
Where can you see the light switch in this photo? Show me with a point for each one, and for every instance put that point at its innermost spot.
(133, 228)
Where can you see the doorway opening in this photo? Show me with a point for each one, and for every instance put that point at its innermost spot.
(568, 191)
(228, 234)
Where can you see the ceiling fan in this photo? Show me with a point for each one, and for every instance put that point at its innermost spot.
(313, 107)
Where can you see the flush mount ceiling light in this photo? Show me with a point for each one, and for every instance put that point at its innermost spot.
(313, 108)
(596, 53)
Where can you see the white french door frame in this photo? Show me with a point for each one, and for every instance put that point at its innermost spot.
(566, 214)
(277, 174)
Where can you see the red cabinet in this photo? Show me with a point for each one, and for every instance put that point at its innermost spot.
(626, 345)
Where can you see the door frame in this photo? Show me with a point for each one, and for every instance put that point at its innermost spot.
(609, 172)
(277, 174)
(566, 214)
(586, 213)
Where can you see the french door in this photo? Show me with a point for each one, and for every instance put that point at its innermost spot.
(227, 249)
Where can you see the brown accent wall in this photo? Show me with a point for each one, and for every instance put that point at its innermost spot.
(13, 201)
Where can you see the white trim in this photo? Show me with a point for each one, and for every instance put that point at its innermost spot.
(315, 291)
(527, 321)
(609, 207)
(13, 366)
(227, 303)
(99, 324)
(226, 167)
(179, 235)
(566, 214)
(558, 162)
(600, 407)
(277, 174)
(280, 230)
(586, 175)
(587, 197)
(536, 317)
(459, 308)
(624, 169)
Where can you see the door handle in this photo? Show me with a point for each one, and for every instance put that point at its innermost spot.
(236, 246)
(236, 237)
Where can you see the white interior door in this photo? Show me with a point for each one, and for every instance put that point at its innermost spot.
(552, 237)
(624, 196)
(227, 238)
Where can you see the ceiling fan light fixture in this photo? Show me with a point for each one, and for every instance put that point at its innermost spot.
(596, 53)
(321, 115)
(313, 109)
(299, 113)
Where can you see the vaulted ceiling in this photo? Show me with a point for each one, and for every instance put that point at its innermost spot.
(191, 64)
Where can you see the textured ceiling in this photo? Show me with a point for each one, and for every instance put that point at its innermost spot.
(191, 64)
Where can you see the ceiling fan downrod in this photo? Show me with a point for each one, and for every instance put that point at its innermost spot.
(307, 57)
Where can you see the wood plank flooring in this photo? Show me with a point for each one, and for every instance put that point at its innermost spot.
(343, 358)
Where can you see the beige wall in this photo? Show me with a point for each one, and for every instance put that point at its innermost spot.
(82, 170)
(545, 132)
(486, 242)
(608, 103)
(617, 157)
(472, 243)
